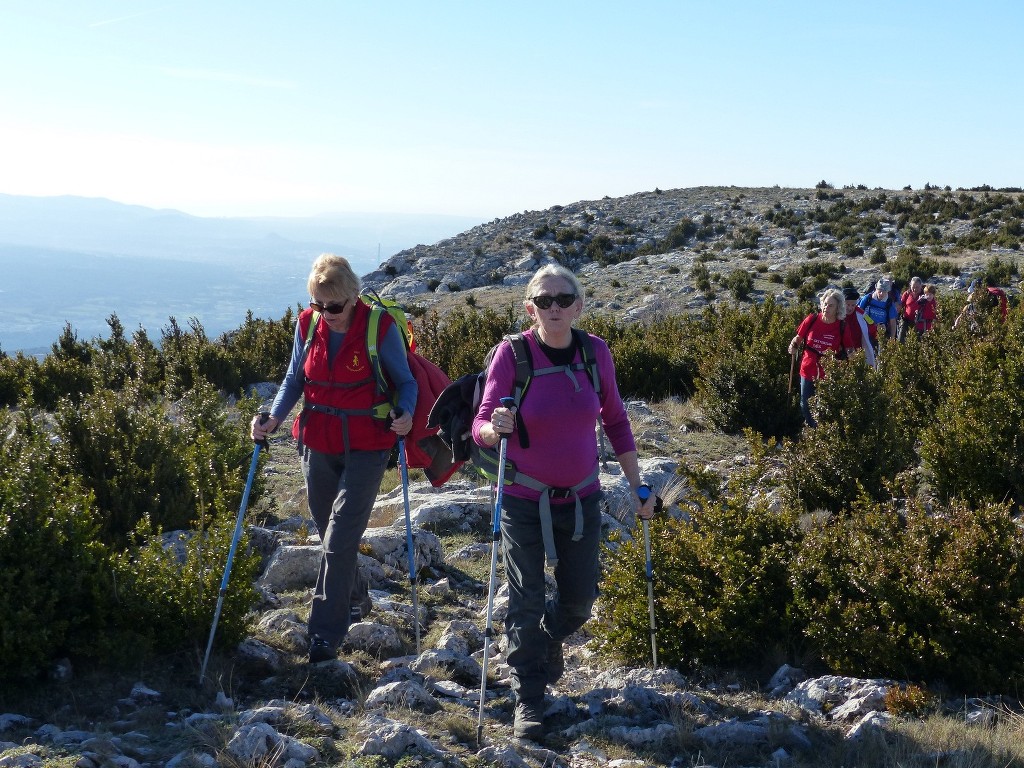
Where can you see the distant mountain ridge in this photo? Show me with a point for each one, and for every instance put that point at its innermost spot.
(91, 257)
(98, 225)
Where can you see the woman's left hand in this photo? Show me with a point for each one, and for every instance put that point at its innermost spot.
(401, 425)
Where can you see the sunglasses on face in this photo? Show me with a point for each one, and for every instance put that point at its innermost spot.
(564, 300)
(333, 309)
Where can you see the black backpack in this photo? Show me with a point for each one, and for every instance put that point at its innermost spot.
(456, 407)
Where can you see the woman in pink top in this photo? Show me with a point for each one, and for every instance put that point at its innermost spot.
(552, 506)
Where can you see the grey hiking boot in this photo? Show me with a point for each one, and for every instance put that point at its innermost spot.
(555, 666)
(529, 719)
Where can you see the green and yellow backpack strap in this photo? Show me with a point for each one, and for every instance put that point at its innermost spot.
(378, 307)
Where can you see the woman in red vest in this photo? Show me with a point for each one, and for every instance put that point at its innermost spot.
(345, 433)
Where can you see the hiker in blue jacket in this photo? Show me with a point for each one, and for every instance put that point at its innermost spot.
(880, 311)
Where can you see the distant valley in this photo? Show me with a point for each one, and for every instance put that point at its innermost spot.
(78, 260)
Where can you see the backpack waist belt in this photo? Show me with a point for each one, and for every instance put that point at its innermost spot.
(547, 493)
(378, 412)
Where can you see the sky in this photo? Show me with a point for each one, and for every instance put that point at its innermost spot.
(259, 108)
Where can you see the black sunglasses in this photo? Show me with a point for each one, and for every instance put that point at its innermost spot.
(334, 309)
(564, 300)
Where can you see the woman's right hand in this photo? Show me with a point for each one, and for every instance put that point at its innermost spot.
(503, 420)
(794, 345)
(261, 427)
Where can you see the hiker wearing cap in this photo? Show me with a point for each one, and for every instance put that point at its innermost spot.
(344, 448)
(552, 444)
(858, 326)
(879, 311)
(819, 335)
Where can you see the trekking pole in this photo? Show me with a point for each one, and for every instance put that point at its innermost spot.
(644, 493)
(792, 367)
(231, 550)
(403, 464)
(507, 402)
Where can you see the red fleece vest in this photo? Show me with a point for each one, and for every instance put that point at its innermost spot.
(347, 385)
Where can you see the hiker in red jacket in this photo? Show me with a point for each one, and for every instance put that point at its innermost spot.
(820, 334)
(344, 447)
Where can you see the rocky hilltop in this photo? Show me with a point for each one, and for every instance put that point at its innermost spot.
(636, 255)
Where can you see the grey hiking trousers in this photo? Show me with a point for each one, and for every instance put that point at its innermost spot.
(340, 492)
(533, 621)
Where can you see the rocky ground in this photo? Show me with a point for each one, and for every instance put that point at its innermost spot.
(490, 264)
(382, 703)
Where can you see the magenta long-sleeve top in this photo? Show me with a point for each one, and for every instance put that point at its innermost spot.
(559, 420)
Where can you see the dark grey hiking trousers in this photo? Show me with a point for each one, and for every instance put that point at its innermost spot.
(340, 494)
(533, 620)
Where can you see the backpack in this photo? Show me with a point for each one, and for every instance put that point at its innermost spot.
(454, 411)
(997, 297)
(424, 449)
(888, 304)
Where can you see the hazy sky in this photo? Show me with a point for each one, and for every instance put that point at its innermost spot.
(485, 108)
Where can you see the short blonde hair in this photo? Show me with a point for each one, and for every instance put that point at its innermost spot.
(333, 279)
(835, 293)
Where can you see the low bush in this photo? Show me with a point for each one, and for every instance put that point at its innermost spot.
(743, 369)
(721, 581)
(51, 595)
(916, 595)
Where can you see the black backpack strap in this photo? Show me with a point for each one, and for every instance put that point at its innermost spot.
(521, 380)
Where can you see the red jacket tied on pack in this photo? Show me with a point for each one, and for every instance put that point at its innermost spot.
(340, 398)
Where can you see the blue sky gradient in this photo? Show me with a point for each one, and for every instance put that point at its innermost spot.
(485, 109)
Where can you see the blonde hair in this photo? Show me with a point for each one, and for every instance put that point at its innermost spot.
(332, 279)
(929, 289)
(835, 293)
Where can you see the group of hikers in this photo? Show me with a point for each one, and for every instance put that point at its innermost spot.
(848, 323)
(551, 508)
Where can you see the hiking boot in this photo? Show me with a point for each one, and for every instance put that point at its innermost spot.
(359, 612)
(555, 666)
(529, 719)
(320, 650)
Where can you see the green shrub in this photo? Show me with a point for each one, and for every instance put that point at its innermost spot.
(17, 375)
(972, 448)
(854, 449)
(65, 372)
(167, 598)
(701, 276)
(259, 350)
(916, 596)
(459, 341)
(720, 582)
(50, 584)
(999, 272)
(743, 369)
(740, 283)
(148, 470)
(652, 360)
